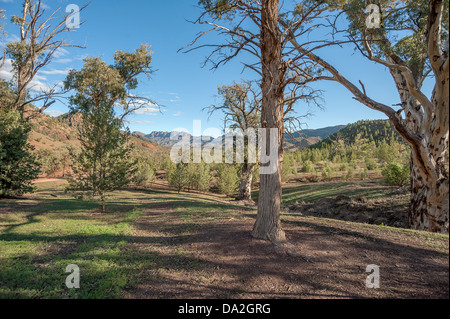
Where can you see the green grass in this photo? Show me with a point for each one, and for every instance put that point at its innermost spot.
(44, 233)
(38, 243)
(311, 193)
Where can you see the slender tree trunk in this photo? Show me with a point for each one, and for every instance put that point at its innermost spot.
(268, 223)
(102, 203)
(245, 188)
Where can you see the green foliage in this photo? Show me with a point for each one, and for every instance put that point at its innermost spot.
(178, 177)
(219, 8)
(202, 177)
(167, 164)
(50, 160)
(256, 177)
(289, 168)
(307, 167)
(350, 173)
(371, 164)
(144, 171)
(313, 178)
(18, 167)
(7, 96)
(327, 173)
(104, 163)
(190, 176)
(397, 174)
(364, 173)
(227, 179)
(2, 25)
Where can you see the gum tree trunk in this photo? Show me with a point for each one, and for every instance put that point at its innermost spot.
(429, 206)
(245, 188)
(429, 203)
(426, 127)
(268, 223)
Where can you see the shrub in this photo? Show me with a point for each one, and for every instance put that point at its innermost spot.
(51, 162)
(228, 179)
(371, 165)
(350, 173)
(307, 167)
(145, 173)
(313, 178)
(289, 168)
(397, 174)
(364, 173)
(203, 177)
(18, 166)
(179, 177)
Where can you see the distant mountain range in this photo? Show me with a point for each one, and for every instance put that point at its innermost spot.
(61, 132)
(296, 140)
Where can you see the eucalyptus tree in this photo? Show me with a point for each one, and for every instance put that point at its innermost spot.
(104, 97)
(241, 107)
(250, 30)
(409, 42)
(40, 38)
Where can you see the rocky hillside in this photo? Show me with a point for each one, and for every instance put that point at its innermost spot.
(57, 134)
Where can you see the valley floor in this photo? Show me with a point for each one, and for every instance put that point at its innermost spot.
(155, 243)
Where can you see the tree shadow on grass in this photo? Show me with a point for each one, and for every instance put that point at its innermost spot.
(71, 208)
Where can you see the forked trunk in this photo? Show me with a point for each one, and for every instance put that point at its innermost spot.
(429, 206)
(429, 187)
(268, 223)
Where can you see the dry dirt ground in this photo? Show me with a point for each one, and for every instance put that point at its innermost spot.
(216, 257)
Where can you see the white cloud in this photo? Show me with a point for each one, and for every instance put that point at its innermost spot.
(144, 122)
(152, 111)
(37, 85)
(63, 61)
(6, 72)
(177, 114)
(59, 53)
(56, 72)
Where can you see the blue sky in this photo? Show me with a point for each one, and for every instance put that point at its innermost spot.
(179, 83)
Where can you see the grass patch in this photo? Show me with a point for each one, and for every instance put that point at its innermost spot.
(38, 242)
(311, 193)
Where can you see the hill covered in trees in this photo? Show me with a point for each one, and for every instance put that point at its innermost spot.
(376, 131)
